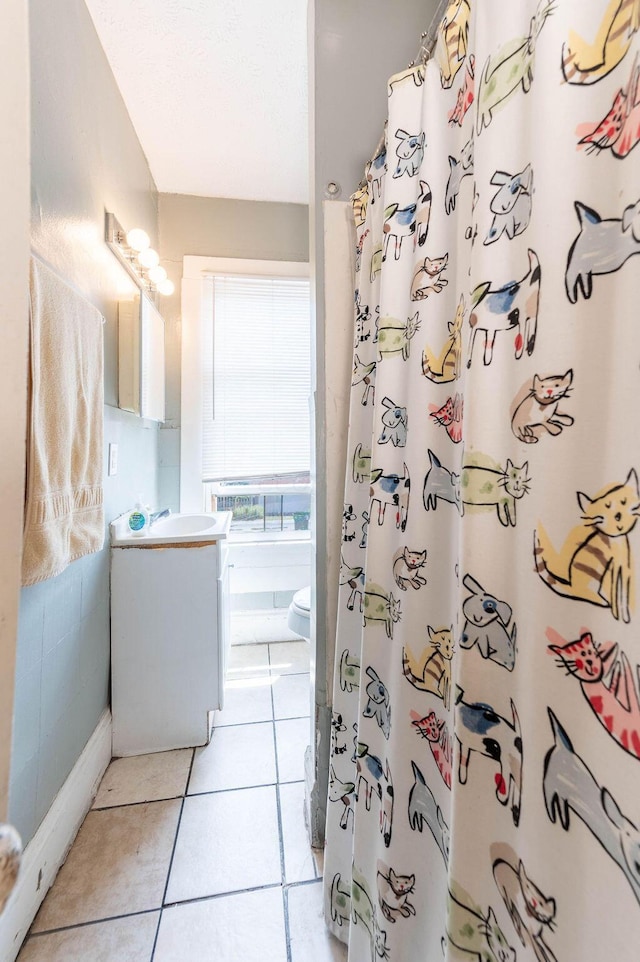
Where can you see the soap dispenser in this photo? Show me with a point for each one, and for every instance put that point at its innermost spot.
(139, 519)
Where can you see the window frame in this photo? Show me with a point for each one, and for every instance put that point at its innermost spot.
(197, 307)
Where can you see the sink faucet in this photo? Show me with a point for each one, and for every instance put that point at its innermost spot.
(156, 515)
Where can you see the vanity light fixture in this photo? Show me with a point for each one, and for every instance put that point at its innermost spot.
(157, 274)
(132, 249)
(148, 258)
(138, 239)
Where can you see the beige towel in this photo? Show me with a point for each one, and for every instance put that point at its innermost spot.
(63, 513)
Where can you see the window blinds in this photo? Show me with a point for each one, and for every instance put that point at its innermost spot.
(256, 378)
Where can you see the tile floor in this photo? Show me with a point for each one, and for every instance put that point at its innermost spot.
(251, 627)
(201, 856)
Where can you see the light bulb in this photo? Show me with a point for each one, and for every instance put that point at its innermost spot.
(157, 274)
(148, 258)
(166, 287)
(138, 239)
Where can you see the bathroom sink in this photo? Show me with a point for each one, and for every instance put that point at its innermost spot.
(174, 529)
(178, 524)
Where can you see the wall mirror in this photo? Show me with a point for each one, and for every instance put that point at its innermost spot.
(141, 357)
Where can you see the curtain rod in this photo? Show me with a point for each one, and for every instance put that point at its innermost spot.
(427, 43)
(429, 37)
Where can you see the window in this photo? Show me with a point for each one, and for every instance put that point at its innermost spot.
(256, 379)
(246, 385)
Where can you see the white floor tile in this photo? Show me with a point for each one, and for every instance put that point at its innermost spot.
(129, 938)
(310, 939)
(245, 702)
(298, 854)
(262, 626)
(274, 628)
(144, 778)
(117, 864)
(226, 842)
(248, 927)
(292, 738)
(291, 696)
(248, 661)
(289, 657)
(236, 757)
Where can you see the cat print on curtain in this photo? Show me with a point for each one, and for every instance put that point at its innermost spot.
(484, 786)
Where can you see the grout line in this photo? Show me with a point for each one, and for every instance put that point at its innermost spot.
(274, 731)
(285, 906)
(294, 717)
(273, 707)
(193, 760)
(84, 925)
(281, 836)
(239, 788)
(287, 926)
(168, 905)
(260, 721)
(173, 852)
(177, 903)
(278, 803)
(299, 884)
(275, 752)
(221, 895)
(263, 721)
(201, 898)
(147, 801)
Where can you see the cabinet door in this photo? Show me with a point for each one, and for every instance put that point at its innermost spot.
(224, 626)
(164, 669)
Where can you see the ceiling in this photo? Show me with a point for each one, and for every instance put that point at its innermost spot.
(216, 90)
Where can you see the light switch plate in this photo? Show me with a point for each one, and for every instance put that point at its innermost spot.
(113, 459)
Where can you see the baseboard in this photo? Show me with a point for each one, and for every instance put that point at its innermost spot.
(48, 848)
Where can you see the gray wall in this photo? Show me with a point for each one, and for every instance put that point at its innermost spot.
(85, 159)
(354, 48)
(213, 227)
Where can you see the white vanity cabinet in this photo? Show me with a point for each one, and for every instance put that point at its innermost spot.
(170, 637)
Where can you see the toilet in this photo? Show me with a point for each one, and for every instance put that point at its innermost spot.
(299, 616)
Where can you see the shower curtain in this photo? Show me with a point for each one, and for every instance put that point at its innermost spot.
(484, 795)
